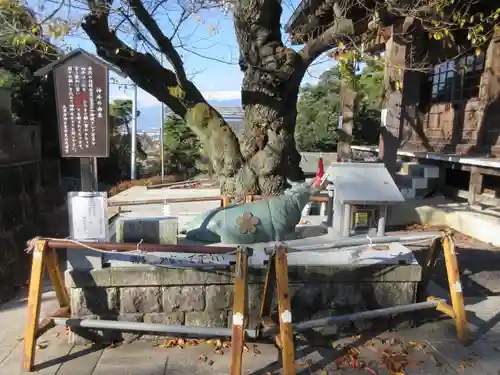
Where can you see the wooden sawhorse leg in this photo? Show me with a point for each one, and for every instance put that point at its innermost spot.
(457, 308)
(239, 311)
(277, 278)
(42, 255)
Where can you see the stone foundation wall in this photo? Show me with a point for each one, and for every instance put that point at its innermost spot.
(202, 298)
(32, 202)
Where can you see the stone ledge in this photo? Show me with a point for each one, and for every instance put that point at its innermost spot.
(159, 276)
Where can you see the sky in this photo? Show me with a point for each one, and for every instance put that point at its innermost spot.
(210, 55)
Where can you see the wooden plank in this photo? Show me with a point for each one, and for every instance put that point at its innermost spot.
(475, 185)
(456, 290)
(239, 312)
(482, 170)
(56, 277)
(269, 287)
(285, 312)
(33, 309)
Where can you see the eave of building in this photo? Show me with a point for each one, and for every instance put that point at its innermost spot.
(309, 20)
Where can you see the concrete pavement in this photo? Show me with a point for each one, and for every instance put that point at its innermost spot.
(432, 348)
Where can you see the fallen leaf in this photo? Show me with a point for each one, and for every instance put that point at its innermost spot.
(301, 365)
(226, 344)
(203, 357)
(210, 363)
(255, 350)
(245, 349)
(218, 351)
(42, 345)
(463, 365)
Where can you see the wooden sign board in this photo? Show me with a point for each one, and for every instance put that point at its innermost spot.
(82, 99)
(82, 105)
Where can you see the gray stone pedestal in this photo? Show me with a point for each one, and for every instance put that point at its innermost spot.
(204, 298)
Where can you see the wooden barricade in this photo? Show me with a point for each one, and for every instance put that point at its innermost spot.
(276, 280)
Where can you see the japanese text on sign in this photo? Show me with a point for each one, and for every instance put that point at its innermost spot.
(86, 102)
(82, 100)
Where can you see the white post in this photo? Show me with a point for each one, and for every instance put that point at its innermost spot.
(133, 153)
(162, 135)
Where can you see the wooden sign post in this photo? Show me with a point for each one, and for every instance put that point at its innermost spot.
(82, 98)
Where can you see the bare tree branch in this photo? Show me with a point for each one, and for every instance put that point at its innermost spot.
(134, 63)
(163, 42)
(339, 28)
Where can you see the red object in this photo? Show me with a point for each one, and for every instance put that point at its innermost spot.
(80, 98)
(320, 173)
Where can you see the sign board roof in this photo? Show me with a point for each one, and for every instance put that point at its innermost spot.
(77, 52)
(363, 183)
(82, 98)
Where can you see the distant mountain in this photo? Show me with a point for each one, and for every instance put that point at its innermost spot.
(150, 117)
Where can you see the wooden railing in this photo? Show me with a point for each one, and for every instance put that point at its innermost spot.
(224, 200)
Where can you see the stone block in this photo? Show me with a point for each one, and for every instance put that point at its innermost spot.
(94, 301)
(130, 336)
(154, 230)
(79, 338)
(176, 318)
(31, 177)
(9, 255)
(50, 173)
(206, 319)
(54, 196)
(188, 298)
(165, 318)
(11, 183)
(161, 276)
(26, 206)
(87, 278)
(39, 201)
(255, 293)
(219, 297)
(140, 300)
(11, 214)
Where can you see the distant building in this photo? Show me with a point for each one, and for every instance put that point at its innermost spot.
(153, 134)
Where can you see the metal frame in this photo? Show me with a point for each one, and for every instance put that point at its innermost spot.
(44, 254)
(455, 311)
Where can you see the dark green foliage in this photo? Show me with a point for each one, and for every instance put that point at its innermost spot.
(182, 147)
(318, 110)
(117, 167)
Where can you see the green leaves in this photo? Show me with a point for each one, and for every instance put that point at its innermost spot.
(319, 105)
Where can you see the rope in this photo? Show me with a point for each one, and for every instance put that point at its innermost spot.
(32, 244)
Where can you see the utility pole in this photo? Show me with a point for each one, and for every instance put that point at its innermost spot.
(133, 153)
(162, 134)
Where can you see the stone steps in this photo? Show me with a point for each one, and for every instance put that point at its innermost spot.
(417, 180)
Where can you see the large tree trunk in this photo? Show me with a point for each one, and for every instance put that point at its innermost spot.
(266, 156)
